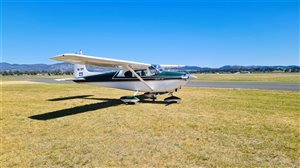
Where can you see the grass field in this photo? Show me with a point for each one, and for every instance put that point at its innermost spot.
(263, 77)
(64, 125)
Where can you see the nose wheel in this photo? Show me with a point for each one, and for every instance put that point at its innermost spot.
(172, 99)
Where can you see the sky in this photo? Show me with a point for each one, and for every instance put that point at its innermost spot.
(203, 33)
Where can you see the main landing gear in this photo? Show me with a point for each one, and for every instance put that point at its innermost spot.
(133, 99)
(129, 99)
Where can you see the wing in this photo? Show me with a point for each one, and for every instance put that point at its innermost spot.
(99, 61)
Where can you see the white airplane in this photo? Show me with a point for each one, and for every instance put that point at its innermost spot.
(153, 80)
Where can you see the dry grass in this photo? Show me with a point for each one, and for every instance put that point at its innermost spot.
(212, 127)
(264, 77)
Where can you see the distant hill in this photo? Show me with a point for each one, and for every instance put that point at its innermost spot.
(67, 67)
(257, 67)
(227, 68)
(35, 67)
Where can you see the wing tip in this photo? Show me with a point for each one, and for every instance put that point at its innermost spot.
(57, 57)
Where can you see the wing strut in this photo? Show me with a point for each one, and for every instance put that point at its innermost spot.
(142, 80)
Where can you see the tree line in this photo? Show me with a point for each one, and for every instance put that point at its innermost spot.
(233, 70)
(254, 70)
(19, 73)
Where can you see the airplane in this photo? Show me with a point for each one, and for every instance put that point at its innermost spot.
(152, 79)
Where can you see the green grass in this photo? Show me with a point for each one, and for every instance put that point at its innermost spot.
(28, 77)
(263, 77)
(212, 127)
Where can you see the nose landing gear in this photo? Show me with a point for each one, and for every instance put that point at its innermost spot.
(172, 99)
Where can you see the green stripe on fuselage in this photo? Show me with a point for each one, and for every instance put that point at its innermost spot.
(109, 77)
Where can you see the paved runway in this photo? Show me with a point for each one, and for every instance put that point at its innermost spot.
(49, 80)
(249, 85)
(287, 86)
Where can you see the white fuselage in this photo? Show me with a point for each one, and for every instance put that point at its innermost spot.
(156, 85)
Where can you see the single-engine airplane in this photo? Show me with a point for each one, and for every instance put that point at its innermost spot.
(151, 79)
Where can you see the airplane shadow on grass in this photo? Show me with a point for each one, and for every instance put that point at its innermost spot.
(107, 102)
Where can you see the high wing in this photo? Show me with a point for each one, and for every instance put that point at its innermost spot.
(99, 61)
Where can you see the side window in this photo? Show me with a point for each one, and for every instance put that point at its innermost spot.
(128, 74)
(141, 72)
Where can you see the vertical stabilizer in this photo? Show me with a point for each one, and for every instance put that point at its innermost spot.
(81, 71)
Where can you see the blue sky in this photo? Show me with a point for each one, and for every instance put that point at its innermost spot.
(203, 33)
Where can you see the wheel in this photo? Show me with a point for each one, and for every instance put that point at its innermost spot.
(129, 99)
(172, 99)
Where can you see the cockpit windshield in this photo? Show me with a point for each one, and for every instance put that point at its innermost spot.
(156, 69)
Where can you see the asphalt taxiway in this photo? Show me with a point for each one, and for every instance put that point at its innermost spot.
(287, 86)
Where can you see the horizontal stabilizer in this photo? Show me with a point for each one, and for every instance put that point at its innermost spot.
(172, 66)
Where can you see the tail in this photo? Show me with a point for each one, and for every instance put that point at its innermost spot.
(81, 71)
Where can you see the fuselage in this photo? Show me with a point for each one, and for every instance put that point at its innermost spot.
(165, 81)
